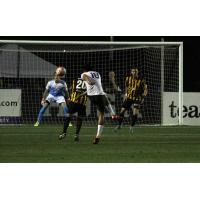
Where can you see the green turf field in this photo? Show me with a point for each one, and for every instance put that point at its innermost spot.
(27, 144)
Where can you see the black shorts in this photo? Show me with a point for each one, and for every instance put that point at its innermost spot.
(77, 108)
(129, 102)
(100, 101)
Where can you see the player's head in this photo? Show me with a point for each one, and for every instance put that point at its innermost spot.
(134, 72)
(87, 67)
(56, 77)
(111, 74)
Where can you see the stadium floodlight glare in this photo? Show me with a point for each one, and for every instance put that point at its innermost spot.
(29, 64)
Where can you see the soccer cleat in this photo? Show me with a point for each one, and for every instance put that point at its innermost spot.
(117, 128)
(70, 124)
(131, 130)
(76, 138)
(37, 124)
(96, 140)
(62, 136)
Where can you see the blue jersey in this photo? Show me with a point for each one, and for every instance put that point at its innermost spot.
(57, 89)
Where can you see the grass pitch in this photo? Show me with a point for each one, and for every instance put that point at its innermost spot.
(28, 144)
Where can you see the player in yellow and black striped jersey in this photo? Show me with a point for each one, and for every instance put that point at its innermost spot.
(77, 104)
(78, 92)
(135, 92)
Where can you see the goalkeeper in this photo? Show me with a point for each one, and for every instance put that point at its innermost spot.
(56, 91)
(135, 92)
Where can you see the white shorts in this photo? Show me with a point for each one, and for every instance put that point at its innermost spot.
(59, 99)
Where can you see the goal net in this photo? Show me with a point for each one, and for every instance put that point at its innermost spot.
(27, 66)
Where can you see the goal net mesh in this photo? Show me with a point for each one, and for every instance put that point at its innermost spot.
(27, 68)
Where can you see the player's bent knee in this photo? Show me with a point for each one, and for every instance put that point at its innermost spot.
(46, 105)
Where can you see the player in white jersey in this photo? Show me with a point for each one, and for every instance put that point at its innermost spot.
(56, 91)
(97, 96)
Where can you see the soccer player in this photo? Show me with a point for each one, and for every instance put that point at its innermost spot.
(97, 96)
(77, 104)
(135, 92)
(113, 91)
(56, 91)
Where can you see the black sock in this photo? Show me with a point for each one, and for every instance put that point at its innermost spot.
(78, 125)
(133, 119)
(121, 119)
(66, 124)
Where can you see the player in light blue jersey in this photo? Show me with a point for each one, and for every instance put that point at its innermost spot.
(56, 91)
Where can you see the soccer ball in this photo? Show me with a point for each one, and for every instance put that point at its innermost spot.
(60, 71)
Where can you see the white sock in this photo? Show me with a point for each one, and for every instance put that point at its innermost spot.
(99, 131)
(112, 112)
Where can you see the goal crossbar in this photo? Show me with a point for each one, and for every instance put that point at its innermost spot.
(88, 42)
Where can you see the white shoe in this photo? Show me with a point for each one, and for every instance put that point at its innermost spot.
(62, 136)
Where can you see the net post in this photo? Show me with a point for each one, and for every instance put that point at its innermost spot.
(162, 79)
(18, 62)
(181, 84)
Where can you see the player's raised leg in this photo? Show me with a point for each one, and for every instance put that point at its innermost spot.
(110, 108)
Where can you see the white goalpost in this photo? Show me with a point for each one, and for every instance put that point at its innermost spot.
(27, 65)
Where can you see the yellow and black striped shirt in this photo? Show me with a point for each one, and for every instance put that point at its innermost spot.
(77, 90)
(136, 88)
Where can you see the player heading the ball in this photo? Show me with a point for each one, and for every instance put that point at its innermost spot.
(56, 91)
(61, 71)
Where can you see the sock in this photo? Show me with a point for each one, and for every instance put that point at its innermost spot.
(121, 119)
(78, 125)
(65, 109)
(66, 124)
(40, 115)
(110, 109)
(99, 131)
(133, 119)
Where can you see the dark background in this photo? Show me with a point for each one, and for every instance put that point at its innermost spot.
(190, 50)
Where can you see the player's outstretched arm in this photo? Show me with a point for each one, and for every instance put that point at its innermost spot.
(44, 96)
(82, 94)
(66, 94)
(145, 92)
(125, 94)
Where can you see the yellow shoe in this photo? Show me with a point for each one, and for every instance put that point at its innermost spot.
(37, 124)
(70, 124)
